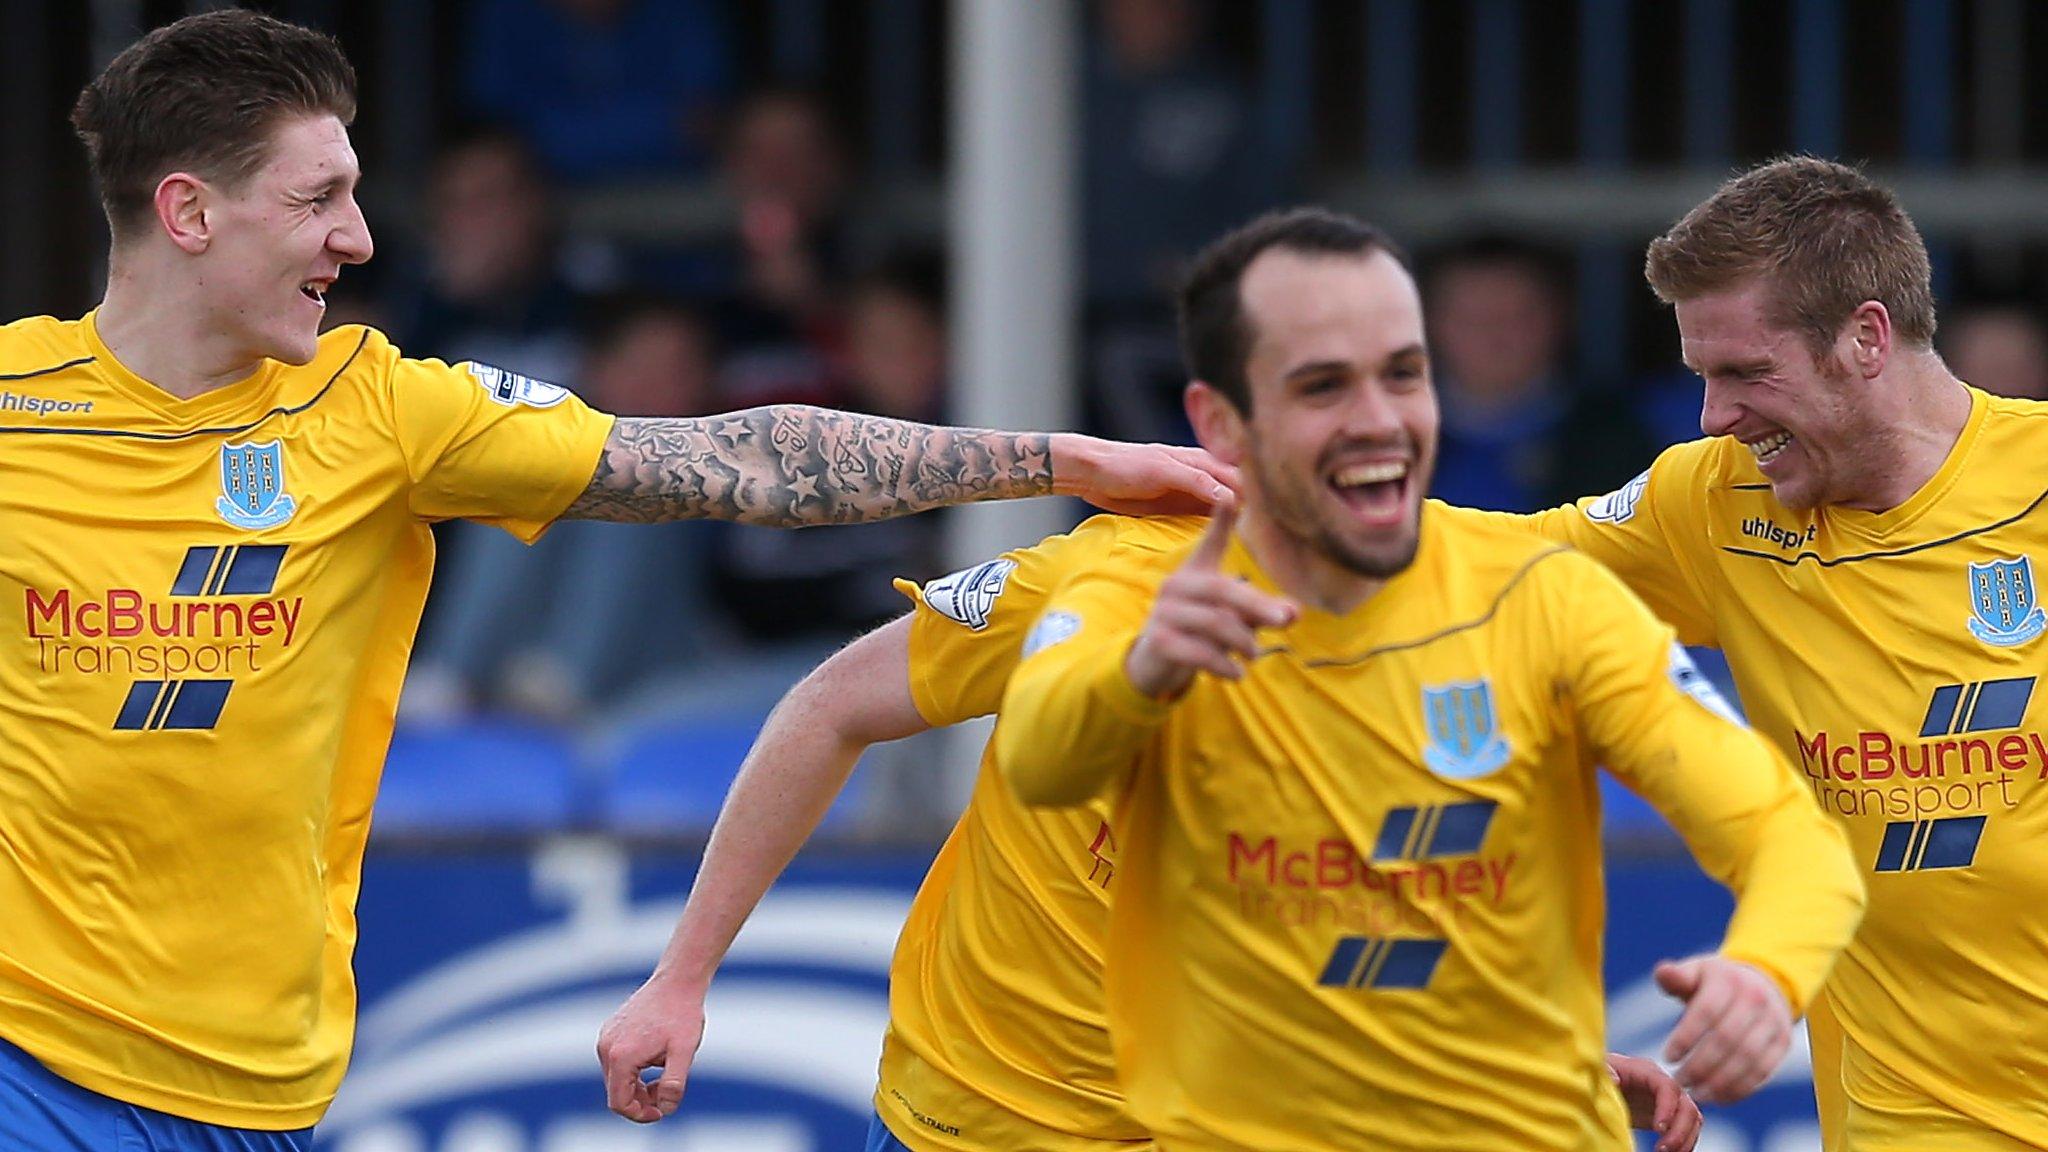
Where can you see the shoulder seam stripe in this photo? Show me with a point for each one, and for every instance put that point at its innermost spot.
(1479, 621)
(230, 431)
(46, 371)
(1803, 556)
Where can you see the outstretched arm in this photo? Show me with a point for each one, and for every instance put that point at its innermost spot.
(791, 466)
(798, 764)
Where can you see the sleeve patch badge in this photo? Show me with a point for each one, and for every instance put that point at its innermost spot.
(510, 388)
(1052, 628)
(969, 595)
(1619, 506)
(1694, 683)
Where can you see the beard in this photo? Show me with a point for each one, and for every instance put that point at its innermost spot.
(1293, 508)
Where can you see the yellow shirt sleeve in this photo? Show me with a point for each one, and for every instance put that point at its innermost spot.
(1642, 532)
(1072, 721)
(969, 626)
(489, 445)
(1661, 727)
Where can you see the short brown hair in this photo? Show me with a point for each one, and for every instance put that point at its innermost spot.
(1215, 339)
(203, 94)
(1827, 237)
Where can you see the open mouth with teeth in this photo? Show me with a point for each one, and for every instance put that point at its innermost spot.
(1377, 490)
(1771, 447)
(316, 291)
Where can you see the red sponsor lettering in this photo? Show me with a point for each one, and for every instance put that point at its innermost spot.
(1470, 876)
(1811, 752)
(48, 611)
(2012, 753)
(124, 612)
(1240, 853)
(1334, 864)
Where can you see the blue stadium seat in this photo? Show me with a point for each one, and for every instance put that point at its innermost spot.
(670, 774)
(484, 775)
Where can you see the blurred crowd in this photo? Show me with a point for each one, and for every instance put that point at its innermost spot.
(795, 304)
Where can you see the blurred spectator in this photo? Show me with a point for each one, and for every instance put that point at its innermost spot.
(2000, 348)
(1519, 433)
(493, 287)
(1172, 152)
(831, 582)
(548, 629)
(785, 168)
(1172, 155)
(604, 88)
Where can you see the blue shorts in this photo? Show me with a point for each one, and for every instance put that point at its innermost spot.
(42, 1112)
(880, 1139)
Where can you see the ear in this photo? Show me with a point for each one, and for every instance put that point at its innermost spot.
(1219, 426)
(1868, 339)
(181, 203)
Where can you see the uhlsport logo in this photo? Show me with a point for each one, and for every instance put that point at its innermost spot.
(969, 595)
(1464, 731)
(1419, 834)
(2004, 610)
(1785, 539)
(252, 494)
(41, 406)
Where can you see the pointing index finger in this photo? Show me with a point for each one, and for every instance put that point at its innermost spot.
(1215, 541)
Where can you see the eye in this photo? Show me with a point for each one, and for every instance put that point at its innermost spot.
(1407, 375)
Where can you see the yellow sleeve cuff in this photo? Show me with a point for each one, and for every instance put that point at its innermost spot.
(1785, 985)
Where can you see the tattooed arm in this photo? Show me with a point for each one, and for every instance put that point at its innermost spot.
(791, 466)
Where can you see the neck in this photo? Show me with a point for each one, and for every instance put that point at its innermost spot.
(1299, 570)
(1918, 434)
(160, 333)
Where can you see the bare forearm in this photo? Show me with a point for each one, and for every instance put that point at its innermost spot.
(779, 797)
(797, 767)
(793, 465)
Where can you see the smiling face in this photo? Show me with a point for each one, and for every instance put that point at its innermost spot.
(1806, 420)
(1341, 436)
(279, 240)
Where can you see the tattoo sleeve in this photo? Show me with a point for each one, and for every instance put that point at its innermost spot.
(792, 465)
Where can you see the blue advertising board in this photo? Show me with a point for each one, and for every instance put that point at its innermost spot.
(484, 979)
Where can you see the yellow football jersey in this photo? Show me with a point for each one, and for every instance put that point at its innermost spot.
(1893, 658)
(997, 1036)
(1360, 901)
(212, 602)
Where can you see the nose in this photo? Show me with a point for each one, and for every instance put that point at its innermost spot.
(351, 241)
(1372, 414)
(1718, 411)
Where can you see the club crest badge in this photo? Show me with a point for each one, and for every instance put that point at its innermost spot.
(252, 494)
(1464, 733)
(2004, 610)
